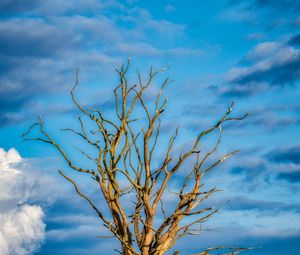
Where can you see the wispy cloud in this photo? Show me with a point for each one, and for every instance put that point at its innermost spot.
(267, 65)
(258, 59)
(41, 50)
(256, 12)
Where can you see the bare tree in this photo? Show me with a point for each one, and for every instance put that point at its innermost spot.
(125, 152)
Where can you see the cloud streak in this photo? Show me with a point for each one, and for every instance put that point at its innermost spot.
(267, 65)
(41, 49)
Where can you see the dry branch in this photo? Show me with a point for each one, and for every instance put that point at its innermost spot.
(125, 153)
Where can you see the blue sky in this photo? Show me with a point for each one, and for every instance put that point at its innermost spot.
(217, 51)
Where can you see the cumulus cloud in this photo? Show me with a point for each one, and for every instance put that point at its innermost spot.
(22, 229)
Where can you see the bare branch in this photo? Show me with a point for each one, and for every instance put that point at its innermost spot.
(101, 216)
(124, 162)
(236, 250)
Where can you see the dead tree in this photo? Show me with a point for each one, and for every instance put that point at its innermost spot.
(125, 153)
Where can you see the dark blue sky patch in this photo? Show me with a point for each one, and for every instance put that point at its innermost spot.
(250, 173)
(25, 37)
(288, 155)
(244, 203)
(290, 5)
(273, 245)
(295, 40)
(293, 177)
(11, 7)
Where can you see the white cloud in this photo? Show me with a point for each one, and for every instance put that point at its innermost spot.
(145, 49)
(271, 62)
(21, 225)
(170, 8)
(22, 230)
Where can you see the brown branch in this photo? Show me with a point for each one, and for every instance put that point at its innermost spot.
(237, 250)
(123, 155)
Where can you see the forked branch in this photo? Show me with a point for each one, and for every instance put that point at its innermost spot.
(124, 168)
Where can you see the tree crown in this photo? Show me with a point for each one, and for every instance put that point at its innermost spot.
(124, 166)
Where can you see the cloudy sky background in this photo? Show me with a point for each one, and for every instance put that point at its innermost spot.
(230, 49)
